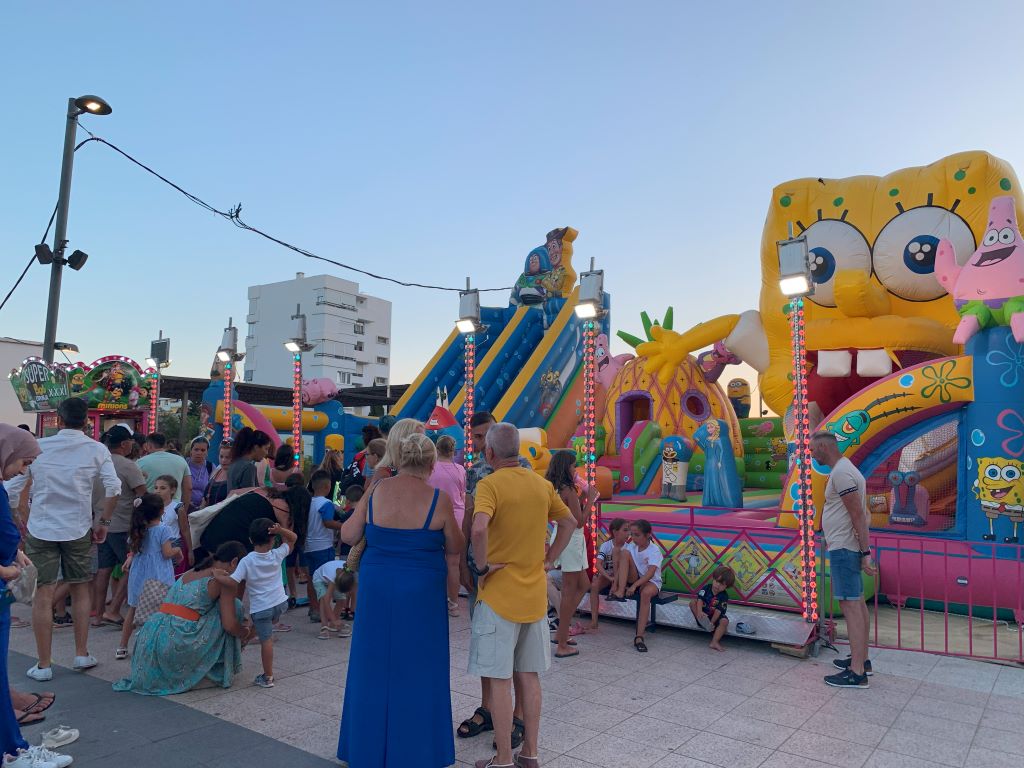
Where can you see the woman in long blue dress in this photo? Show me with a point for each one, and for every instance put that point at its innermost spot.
(18, 449)
(195, 635)
(397, 710)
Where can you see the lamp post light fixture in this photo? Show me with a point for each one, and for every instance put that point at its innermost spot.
(468, 324)
(591, 299)
(297, 344)
(159, 358)
(55, 258)
(228, 354)
(796, 283)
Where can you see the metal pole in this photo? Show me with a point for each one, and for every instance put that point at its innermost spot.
(60, 231)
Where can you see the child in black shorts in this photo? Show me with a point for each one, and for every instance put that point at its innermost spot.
(711, 603)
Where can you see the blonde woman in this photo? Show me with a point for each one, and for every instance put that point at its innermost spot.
(410, 532)
(388, 466)
(450, 478)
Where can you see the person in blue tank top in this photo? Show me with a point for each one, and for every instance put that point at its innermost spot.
(411, 535)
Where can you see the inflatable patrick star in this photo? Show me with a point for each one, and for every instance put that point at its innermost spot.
(988, 289)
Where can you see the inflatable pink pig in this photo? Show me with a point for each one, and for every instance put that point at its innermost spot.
(989, 289)
(316, 391)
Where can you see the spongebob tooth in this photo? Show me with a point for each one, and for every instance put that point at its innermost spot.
(834, 363)
(873, 362)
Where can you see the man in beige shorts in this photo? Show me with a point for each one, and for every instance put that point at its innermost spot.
(61, 530)
(509, 631)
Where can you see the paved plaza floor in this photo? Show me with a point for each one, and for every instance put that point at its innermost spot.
(681, 705)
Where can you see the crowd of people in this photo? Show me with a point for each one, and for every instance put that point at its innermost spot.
(196, 560)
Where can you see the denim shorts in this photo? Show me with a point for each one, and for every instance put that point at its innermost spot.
(264, 620)
(847, 582)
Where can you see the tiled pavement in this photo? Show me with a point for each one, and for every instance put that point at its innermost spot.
(681, 705)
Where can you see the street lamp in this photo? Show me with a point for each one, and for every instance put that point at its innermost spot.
(159, 358)
(83, 104)
(468, 324)
(795, 282)
(591, 300)
(228, 354)
(297, 344)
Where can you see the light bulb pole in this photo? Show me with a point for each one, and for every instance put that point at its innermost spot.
(297, 345)
(229, 355)
(83, 104)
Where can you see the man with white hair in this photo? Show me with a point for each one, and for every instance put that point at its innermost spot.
(509, 633)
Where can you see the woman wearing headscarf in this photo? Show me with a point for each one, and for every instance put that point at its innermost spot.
(18, 449)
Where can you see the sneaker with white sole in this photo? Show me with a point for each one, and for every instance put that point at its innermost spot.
(845, 664)
(84, 662)
(27, 759)
(263, 681)
(42, 674)
(120, 653)
(345, 630)
(60, 736)
(50, 757)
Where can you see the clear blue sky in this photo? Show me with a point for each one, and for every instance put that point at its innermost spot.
(435, 140)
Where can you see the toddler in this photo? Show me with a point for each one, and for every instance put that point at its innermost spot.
(333, 583)
(261, 572)
(151, 544)
(711, 602)
(175, 516)
(604, 567)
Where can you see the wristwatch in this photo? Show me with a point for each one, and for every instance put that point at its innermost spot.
(103, 522)
(479, 571)
(865, 553)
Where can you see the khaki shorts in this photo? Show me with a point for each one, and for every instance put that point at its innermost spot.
(498, 647)
(73, 559)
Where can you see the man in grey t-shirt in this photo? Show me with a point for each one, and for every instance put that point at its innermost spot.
(844, 522)
(114, 549)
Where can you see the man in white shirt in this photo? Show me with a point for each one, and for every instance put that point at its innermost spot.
(844, 522)
(61, 530)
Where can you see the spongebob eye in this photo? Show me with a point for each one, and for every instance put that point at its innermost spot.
(834, 246)
(1010, 473)
(992, 472)
(904, 252)
(991, 237)
(1006, 235)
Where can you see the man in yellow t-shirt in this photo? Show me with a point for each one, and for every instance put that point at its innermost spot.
(510, 633)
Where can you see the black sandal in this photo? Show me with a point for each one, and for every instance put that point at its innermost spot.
(518, 734)
(639, 644)
(470, 727)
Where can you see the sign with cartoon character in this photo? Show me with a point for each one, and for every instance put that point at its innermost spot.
(112, 384)
(38, 385)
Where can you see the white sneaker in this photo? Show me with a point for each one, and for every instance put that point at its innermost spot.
(60, 736)
(45, 757)
(27, 759)
(84, 662)
(345, 631)
(42, 674)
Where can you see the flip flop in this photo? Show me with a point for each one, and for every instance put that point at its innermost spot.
(567, 655)
(20, 623)
(39, 699)
(570, 641)
(23, 718)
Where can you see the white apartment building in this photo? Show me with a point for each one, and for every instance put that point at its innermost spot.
(351, 331)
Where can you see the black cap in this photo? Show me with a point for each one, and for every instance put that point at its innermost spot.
(117, 434)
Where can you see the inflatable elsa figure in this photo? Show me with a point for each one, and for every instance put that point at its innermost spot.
(722, 487)
(531, 289)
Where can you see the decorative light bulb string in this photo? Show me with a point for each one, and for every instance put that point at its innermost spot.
(803, 506)
(229, 374)
(590, 421)
(297, 411)
(469, 387)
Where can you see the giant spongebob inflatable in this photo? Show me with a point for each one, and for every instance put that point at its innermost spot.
(877, 304)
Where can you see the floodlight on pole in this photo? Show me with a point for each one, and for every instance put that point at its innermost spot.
(469, 310)
(229, 355)
(591, 298)
(55, 257)
(297, 344)
(795, 282)
(468, 324)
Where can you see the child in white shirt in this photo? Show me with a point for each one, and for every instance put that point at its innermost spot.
(604, 570)
(175, 517)
(333, 583)
(638, 570)
(261, 572)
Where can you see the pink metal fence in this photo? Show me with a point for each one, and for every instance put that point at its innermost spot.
(935, 595)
